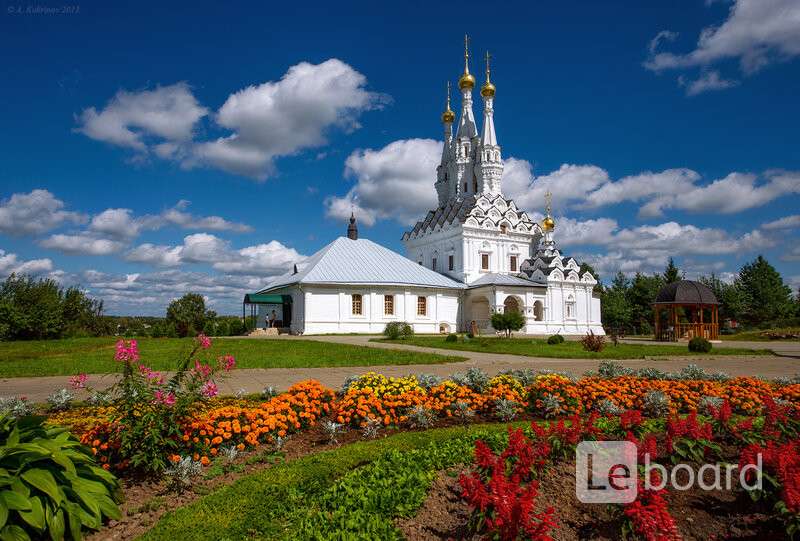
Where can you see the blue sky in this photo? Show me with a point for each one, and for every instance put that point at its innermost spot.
(151, 151)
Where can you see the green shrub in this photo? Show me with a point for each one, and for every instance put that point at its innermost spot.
(699, 345)
(51, 485)
(555, 340)
(451, 338)
(395, 330)
(507, 322)
(235, 327)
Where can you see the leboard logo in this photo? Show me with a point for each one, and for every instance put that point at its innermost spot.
(606, 472)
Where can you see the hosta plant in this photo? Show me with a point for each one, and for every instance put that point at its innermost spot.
(50, 485)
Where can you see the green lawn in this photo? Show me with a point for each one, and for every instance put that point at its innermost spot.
(757, 336)
(96, 355)
(287, 499)
(566, 350)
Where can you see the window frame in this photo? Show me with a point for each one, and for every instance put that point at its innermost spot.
(356, 298)
(451, 262)
(422, 302)
(434, 261)
(388, 300)
(513, 266)
(488, 262)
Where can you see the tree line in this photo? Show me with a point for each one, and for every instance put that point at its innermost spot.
(40, 308)
(756, 298)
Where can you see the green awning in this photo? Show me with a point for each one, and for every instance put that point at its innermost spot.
(256, 298)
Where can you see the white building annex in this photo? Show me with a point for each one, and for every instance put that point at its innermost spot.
(475, 254)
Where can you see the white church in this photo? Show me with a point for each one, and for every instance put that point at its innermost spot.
(476, 254)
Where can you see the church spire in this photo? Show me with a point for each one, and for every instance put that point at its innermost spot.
(487, 91)
(466, 126)
(352, 229)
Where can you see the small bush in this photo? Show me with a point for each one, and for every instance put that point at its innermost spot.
(699, 345)
(395, 330)
(451, 338)
(507, 322)
(593, 342)
(182, 473)
(555, 340)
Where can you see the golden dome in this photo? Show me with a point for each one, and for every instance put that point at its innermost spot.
(488, 89)
(467, 81)
(448, 116)
(548, 224)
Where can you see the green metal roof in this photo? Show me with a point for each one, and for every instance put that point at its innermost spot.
(257, 298)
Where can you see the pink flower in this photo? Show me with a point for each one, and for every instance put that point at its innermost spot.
(227, 362)
(168, 399)
(209, 389)
(205, 341)
(202, 370)
(127, 352)
(78, 381)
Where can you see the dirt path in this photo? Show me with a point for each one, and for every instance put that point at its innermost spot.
(254, 380)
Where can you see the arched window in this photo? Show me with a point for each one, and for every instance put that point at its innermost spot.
(465, 186)
(503, 229)
(511, 304)
(357, 304)
(538, 311)
(569, 308)
(474, 184)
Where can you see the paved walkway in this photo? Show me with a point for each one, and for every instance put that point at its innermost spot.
(255, 380)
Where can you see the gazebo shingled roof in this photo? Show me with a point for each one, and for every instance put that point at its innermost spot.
(690, 299)
(686, 292)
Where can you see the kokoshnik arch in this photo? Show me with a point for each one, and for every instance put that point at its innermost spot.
(475, 254)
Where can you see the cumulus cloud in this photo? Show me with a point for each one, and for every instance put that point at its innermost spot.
(82, 243)
(178, 216)
(11, 264)
(138, 120)
(271, 258)
(394, 182)
(787, 222)
(569, 183)
(756, 33)
(34, 213)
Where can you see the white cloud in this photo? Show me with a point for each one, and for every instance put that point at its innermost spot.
(133, 119)
(756, 33)
(394, 182)
(118, 223)
(10, 264)
(34, 213)
(568, 183)
(271, 258)
(82, 243)
(281, 118)
(710, 80)
(668, 183)
(787, 222)
(178, 216)
(792, 254)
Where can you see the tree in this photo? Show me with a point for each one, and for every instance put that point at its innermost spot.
(615, 306)
(507, 322)
(585, 267)
(766, 296)
(188, 314)
(641, 295)
(729, 295)
(672, 273)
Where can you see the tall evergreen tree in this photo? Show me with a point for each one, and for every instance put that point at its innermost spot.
(672, 273)
(766, 296)
(729, 295)
(641, 294)
(615, 306)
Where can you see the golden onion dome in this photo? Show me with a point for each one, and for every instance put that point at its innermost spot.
(467, 81)
(548, 224)
(488, 89)
(448, 116)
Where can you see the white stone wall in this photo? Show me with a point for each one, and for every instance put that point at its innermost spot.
(328, 309)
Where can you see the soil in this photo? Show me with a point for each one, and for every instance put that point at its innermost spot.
(700, 515)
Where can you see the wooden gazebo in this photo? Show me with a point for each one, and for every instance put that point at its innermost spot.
(684, 310)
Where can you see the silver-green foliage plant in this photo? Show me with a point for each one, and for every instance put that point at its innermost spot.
(551, 406)
(505, 410)
(474, 378)
(709, 404)
(421, 417)
(607, 407)
(332, 429)
(371, 428)
(15, 406)
(50, 484)
(463, 411)
(428, 380)
(60, 400)
(182, 473)
(100, 398)
(525, 376)
(655, 403)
